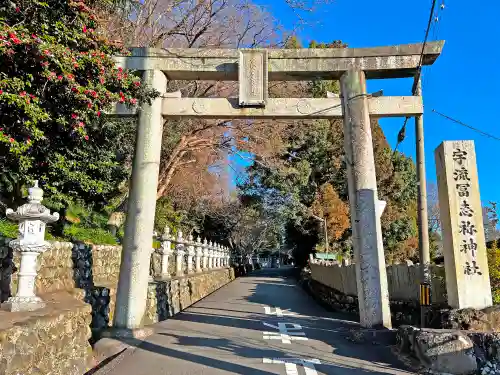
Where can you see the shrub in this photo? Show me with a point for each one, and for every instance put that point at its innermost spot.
(8, 228)
(494, 268)
(89, 235)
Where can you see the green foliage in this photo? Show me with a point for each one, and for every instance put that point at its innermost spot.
(494, 270)
(89, 235)
(167, 215)
(8, 228)
(57, 79)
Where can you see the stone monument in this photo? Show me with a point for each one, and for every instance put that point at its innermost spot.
(464, 245)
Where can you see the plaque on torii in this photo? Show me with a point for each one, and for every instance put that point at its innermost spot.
(252, 77)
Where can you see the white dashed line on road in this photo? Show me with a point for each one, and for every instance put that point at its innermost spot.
(291, 364)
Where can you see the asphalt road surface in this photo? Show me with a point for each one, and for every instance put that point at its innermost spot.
(262, 324)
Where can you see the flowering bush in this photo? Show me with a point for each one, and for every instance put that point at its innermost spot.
(57, 78)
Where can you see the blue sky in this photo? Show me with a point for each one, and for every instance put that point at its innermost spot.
(462, 84)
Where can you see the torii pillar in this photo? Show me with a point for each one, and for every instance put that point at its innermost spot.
(139, 225)
(371, 274)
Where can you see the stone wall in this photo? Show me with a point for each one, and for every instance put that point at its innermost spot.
(403, 280)
(79, 282)
(169, 297)
(53, 340)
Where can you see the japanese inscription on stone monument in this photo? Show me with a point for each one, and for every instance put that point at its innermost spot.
(252, 76)
(464, 247)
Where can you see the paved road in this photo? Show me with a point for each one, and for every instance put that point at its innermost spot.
(225, 334)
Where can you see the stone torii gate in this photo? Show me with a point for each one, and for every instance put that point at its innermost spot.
(253, 68)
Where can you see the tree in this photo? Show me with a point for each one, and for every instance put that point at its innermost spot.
(490, 222)
(194, 144)
(433, 208)
(328, 205)
(57, 79)
(311, 155)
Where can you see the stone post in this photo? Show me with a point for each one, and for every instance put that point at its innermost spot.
(190, 254)
(30, 242)
(210, 255)
(179, 255)
(217, 256)
(133, 281)
(371, 274)
(166, 252)
(464, 245)
(199, 254)
(205, 254)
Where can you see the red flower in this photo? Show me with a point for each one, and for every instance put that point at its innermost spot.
(16, 41)
(98, 113)
(137, 83)
(18, 10)
(89, 105)
(86, 137)
(75, 65)
(120, 69)
(11, 140)
(1, 92)
(101, 80)
(22, 93)
(74, 116)
(28, 141)
(133, 100)
(45, 63)
(74, 89)
(60, 78)
(45, 52)
(122, 99)
(81, 124)
(33, 36)
(84, 29)
(70, 76)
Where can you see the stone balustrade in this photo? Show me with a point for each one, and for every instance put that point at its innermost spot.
(73, 288)
(188, 255)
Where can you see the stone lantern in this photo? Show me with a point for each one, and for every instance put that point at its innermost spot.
(32, 218)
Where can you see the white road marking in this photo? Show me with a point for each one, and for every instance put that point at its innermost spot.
(291, 364)
(288, 332)
(291, 369)
(277, 311)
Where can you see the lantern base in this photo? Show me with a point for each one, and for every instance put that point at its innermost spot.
(16, 304)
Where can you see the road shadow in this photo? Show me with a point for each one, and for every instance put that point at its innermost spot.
(206, 334)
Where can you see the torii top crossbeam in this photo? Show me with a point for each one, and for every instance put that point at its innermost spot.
(285, 64)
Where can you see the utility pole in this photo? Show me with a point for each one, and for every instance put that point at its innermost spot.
(423, 223)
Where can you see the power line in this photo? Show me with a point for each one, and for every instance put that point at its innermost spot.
(402, 131)
(419, 68)
(467, 126)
